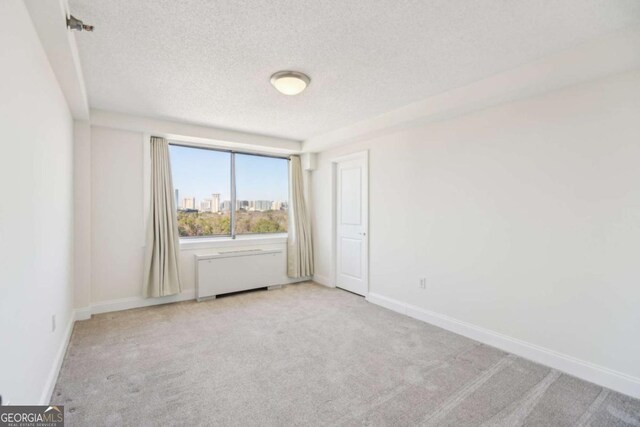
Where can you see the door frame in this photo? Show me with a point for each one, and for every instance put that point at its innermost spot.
(358, 155)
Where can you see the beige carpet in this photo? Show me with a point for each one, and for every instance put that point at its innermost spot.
(309, 355)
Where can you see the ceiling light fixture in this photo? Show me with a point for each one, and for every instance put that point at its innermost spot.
(290, 82)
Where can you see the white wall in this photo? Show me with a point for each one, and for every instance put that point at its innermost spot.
(118, 225)
(82, 213)
(524, 219)
(117, 228)
(36, 213)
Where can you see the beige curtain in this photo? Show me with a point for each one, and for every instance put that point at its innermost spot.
(299, 245)
(161, 276)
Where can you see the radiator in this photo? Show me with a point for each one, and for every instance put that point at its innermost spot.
(233, 271)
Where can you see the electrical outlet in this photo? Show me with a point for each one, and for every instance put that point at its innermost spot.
(53, 323)
(423, 283)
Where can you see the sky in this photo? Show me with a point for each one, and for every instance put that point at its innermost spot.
(199, 173)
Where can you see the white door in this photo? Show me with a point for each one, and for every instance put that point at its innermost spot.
(352, 218)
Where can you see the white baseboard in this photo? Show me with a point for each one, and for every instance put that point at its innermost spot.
(588, 371)
(323, 280)
(137, 302)
(83, 313)
(291, 281)
(385, 302)
(52, 378)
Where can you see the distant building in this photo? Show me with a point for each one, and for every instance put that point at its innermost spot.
(189, 203)
(177, 199)
(211, 205)
(262, 205)
(250, 205)
(205, 205)
(215, 203)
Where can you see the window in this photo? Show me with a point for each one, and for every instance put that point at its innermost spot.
(201, 182)
(208, 202)
(262, 189)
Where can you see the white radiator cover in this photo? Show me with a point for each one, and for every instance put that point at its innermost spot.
(233, 271)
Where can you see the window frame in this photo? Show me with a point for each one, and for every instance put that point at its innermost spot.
(232, 170)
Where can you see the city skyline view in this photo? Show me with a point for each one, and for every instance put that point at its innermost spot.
(202, 191)
(214, 203)
(199, 173)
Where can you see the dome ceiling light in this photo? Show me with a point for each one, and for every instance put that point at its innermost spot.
(290, 82)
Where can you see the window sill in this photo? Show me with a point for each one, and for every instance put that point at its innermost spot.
(226, 242)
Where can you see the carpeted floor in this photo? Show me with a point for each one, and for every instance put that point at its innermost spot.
(309, 355)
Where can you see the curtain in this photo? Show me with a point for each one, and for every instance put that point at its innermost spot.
(299, 244)
(161, 276)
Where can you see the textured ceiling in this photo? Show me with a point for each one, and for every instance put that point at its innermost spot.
(209, 62)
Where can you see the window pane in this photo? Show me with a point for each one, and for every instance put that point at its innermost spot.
(262, 194)
(202, 183)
